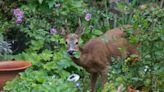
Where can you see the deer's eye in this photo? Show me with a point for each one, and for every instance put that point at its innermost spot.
(76, 43)
(65, 42)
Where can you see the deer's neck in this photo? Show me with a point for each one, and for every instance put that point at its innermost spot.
(76, 60)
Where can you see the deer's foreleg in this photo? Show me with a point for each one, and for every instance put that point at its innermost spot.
(93, 81)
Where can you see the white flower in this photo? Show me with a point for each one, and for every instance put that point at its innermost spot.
(73, 77)
(88, 17)
(53, 77)
(146, 68)
(57, 5)
(77, 84)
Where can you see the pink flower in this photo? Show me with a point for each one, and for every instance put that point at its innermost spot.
(88, 17)
(19, 21)
(53, 31)
(18, 13)
(119, 89)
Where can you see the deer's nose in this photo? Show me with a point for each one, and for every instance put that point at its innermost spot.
(70, 52)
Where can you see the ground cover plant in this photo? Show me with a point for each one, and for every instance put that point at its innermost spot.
(31, 30)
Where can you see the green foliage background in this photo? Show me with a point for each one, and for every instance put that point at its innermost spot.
(32, 41)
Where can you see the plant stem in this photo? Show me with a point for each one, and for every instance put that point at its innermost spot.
(153, 59)
(115, 20)
(161, 5)
(106, 9)
(151, 66)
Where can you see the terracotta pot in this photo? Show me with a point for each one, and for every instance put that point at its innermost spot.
(138, 89)
(10, 69)
(130, 89)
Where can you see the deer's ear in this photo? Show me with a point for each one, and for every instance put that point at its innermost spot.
(80, 30)
(63, 32)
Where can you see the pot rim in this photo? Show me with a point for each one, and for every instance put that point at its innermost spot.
(130, 89)
(25, 64)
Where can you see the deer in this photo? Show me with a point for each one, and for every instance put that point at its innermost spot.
(95, 55)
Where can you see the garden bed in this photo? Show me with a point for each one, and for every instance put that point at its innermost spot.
(31, 30)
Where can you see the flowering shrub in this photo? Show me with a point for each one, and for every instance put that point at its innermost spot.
(38, 40)
(19, 15)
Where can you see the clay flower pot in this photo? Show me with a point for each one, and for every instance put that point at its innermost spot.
(141, 88)
(10, 69)
(130, 89)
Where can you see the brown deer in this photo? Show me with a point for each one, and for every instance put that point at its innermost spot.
(96, 53)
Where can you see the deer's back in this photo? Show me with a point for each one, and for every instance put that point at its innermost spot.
(112, 43)
(98, 52)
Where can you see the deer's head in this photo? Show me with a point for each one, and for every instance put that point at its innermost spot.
(72, 40)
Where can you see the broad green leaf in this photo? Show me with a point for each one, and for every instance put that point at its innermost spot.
(51, 3)
(40, 1)
(97, 32)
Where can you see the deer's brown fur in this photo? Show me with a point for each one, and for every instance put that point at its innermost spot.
(96, 53)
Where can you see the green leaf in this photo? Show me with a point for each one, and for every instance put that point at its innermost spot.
(77, 4)
(49, 65)
(46, 55)
(162, 37)
(97, 32)
(133, 40)
(36, 44)
(51, 3)
(81, 42)
(77, 54)
(63, 64)
(40, 1)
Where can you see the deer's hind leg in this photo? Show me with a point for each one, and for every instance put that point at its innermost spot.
(104, 77)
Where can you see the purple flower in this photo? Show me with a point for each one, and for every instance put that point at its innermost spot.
(19, 21)
(53, 31)
(19, 15)
(88, 17)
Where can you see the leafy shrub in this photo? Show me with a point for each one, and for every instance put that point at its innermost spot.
(39, 81)
(36, 39)
(4, 48)
(143, 75)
